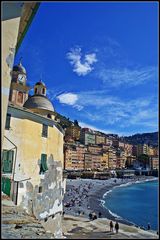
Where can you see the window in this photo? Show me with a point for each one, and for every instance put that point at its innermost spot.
(20, 97)
(8, 120)
(43, 165)
(35, 90)
(40, 189)
(21, 185)
(44, 130)
(7, 161)
(43, 91)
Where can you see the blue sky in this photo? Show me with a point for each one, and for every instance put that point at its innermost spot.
(99, 61)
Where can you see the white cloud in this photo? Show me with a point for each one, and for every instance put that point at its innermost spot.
(78, 107)
(97, 106)
(68, 98)
(90, 58)
(80, 67)
(120, 76)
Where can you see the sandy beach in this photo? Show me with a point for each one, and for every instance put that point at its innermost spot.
(83, 196)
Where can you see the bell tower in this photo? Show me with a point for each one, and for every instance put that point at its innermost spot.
(19, 89)
(40, 88)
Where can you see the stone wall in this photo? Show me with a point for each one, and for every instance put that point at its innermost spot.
(45, 200)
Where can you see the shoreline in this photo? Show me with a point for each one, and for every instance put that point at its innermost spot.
(93, 201)
(96, 201)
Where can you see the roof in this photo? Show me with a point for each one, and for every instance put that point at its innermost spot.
(24, 112)
(19, 68)
(29, 11)
(39, 102)
(40, 83)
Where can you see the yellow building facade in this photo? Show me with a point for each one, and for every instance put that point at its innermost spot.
(16, 18)
(32, 154)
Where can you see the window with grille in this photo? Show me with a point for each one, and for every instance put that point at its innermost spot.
(8, 120)
(44, 130)
(7, 161)
(43, 165)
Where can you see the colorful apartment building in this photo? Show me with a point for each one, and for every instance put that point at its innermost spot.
(88, 160)
(100, 139)
(96, 161)
(154, 162)
(109, 141)
(73, 131)
(142, 149)
(87, 136)
(130, 160)
(128, 149)
(105, 160)
(74, 157)
(94, 149)
(112, 158)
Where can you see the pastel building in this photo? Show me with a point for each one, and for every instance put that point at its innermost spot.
(100, 139)
(73, 131)
(74, 157)
(32, 154)
(87, 136)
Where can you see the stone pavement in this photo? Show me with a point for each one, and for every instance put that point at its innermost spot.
(17, 224)
(82, 228)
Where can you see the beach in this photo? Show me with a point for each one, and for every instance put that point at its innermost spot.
(16, 224)
(85, 196)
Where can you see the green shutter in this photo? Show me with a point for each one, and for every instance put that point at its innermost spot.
(7, 160)
(8, 119)
(43, 166)
(4, 160)
(6, 185)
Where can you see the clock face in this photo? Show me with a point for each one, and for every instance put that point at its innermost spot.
(21, 77)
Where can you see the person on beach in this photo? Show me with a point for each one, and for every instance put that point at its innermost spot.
(111, 226)
(149, 226)
(90, 216)
(116, 227)
(99, 214)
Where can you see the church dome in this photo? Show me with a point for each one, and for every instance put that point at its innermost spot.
(39, 104)
(19, 68)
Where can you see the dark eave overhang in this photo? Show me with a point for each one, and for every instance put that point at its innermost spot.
(29, 11)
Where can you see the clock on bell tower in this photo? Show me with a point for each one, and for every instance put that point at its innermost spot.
(19, 89)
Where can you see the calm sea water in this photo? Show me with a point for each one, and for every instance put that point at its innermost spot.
(137, 203)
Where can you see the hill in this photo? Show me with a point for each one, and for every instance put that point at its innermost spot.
(144, 138)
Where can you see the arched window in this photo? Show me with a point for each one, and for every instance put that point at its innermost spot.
(49, 116)
(20, 97)
(43, 91)
(35, 90)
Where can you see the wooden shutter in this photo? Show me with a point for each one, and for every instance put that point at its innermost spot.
(7, 161)
(43, 166)
(8, 120)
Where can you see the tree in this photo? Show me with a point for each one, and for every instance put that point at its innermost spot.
(144, 159)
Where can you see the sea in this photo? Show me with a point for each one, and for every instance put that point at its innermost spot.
(136, 203)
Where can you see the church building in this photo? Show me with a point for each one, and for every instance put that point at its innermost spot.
(32, 155)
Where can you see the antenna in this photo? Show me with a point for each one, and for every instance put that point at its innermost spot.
(41, 78)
